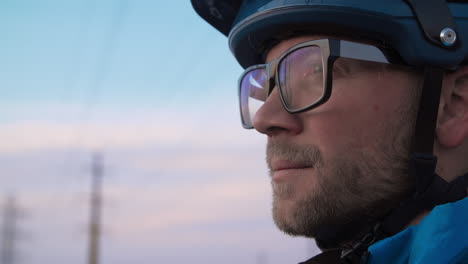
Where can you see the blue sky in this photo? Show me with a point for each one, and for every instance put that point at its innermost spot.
(153, 88)
(121, 53)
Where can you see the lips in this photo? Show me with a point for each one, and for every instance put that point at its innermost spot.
(285, 170)
(279, 165)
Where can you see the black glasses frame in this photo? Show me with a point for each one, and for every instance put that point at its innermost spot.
(331, 49)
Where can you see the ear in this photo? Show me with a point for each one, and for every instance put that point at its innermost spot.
(452, 122)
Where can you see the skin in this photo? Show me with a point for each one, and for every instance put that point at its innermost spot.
(452, 126)
(451, 144)
(346, 159)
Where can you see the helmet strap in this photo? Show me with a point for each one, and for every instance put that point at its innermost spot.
(422, 162)
(426, 121)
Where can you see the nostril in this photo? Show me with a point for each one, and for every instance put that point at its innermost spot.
(273, 131)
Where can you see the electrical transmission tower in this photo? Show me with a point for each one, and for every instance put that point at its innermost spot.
(95, 209)
(9, 231)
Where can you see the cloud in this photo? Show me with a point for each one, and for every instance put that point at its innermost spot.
(168, 206)
(135, 128)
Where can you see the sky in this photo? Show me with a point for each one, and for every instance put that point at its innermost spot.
(152, 87)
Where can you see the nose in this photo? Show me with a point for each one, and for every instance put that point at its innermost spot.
(272, 119)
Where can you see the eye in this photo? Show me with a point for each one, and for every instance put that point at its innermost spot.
(317, 68)
(313, 70)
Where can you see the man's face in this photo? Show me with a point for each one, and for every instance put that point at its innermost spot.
(341, 166)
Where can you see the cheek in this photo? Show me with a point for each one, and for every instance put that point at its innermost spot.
(357, 114)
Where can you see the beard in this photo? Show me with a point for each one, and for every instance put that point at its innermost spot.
(353, 191)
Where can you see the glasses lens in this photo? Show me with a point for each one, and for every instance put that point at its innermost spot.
(301, 77)
(253, 93)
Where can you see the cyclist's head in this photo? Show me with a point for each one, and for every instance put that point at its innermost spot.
(336, 87)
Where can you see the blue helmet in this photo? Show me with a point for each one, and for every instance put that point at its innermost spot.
(422, 32)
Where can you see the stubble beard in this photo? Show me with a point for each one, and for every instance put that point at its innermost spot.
(353, 191)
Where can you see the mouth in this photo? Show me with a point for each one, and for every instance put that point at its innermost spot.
(282, 170)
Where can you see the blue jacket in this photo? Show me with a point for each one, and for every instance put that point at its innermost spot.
(440, 238)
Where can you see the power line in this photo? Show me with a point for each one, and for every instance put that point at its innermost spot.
(106, 53)
(103, 64)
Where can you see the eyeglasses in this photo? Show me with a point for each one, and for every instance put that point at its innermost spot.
(303, 75)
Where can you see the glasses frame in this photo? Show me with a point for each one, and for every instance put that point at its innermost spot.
(331, 49)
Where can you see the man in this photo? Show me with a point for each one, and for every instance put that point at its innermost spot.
(365, 106)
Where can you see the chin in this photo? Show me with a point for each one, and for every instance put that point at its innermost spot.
(286, 215)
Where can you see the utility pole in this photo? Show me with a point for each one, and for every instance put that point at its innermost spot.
(95, 209)
(9, 234)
